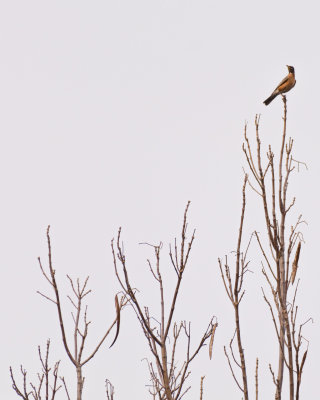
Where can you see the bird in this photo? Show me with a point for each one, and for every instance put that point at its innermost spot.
(284, 86)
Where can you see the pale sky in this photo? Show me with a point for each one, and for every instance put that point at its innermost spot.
(118, 113)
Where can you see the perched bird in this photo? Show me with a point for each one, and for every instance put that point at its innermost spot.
(284, 86)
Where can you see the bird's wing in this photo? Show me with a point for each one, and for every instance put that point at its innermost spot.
(284, 80)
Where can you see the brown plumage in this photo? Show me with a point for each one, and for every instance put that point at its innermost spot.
(284, 86)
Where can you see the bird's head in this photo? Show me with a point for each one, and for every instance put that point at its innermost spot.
(290, 69)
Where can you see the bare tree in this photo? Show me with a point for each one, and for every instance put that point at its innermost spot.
(80, 319)
(167, 379)
(47, 385)
(235, 292)
(272, 180)
(280, 252)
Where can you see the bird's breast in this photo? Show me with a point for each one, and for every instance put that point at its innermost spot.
(288, 84)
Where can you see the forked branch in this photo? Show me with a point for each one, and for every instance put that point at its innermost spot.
(80, 317)
(167, 379)
(233, 286)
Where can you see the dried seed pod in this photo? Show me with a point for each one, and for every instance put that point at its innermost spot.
(302, 365)
(116, 301)
(295, 263)
(211, 339)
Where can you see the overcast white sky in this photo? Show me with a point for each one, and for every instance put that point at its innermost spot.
(118, 113)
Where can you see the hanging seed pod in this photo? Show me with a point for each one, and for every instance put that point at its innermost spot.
(302, 365)
(211, 339)
(116, 301)
(295, 263)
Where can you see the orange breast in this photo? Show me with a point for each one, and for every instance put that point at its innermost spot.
(288, 84)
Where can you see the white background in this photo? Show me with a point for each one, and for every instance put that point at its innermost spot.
(116, 114)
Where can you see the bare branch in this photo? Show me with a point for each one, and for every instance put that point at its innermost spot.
(257, 378)
(47, 382)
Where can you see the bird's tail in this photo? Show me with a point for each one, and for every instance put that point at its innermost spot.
(269, 99)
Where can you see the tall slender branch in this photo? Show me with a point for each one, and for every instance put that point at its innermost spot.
(168, 381)
(81, 323)
(233, 290)
(274, 183)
